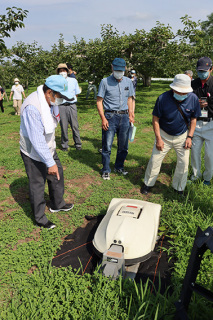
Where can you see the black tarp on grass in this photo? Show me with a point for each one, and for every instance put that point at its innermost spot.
(77, 252)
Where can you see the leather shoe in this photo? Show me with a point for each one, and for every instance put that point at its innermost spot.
(145, 189)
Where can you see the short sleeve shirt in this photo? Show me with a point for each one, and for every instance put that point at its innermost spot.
(115, 94)
(73, 88)
(17, 90)
(170, 118)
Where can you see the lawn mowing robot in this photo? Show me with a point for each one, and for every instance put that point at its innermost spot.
(126, 236)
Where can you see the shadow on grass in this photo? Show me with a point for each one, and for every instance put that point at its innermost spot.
(19, 189)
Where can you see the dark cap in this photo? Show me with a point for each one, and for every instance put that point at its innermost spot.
(119, 64)
(204, 64)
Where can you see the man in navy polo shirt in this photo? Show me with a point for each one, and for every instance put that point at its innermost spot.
(114, 103)
(174, 111)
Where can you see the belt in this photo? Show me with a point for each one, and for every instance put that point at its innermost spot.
(67, 104)
(205, 119)
(117, 112)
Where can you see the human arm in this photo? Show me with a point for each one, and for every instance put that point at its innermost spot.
(156, 128)
(23, 94)
(131, 111)
(105, 124)
(11, 93)
(35, 132)
(188, 143)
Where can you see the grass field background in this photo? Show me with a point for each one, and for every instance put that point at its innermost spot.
(31, 288)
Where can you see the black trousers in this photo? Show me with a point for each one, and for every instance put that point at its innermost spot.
(37, 175)
(1, 105)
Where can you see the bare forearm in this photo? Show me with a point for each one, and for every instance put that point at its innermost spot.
(130, 109)
(100, 107)
(192, 127)
(156, 127)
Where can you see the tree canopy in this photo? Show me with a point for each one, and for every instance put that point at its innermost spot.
(159, 52)
(10, 21)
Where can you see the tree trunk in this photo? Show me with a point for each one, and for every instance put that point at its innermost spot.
(146, 81)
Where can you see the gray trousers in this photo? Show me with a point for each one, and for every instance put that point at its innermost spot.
(68, 115)
(37, 175)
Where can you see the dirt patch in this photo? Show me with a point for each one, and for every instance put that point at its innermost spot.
(35, 235)
(32, 269)
(82, 185)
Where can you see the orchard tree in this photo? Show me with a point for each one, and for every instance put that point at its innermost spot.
(207, 26)
(148, 51)
(10, 21)
(31, 63)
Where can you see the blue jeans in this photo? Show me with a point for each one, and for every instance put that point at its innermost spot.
(118, 123)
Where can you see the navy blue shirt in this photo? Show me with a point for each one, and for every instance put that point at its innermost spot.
(71, 75)
(170, 119)
(114, 93)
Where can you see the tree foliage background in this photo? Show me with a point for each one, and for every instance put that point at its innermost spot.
(158, 52)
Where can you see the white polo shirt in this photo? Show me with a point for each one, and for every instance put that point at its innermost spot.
(17, 90)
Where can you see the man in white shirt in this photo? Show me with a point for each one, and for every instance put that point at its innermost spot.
(17, 91)
(68, 111)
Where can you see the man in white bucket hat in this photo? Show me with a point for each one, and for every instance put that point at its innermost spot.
(174, 120)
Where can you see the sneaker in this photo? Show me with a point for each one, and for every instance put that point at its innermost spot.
(100, 150)
(106, 176)
(206, 183)
(145, 189)
(78, 148)
(66, 207)
(64, 149)
(122, 171)
(180, 193)
(48, 225)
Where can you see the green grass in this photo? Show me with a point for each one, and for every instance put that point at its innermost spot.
(31, 288)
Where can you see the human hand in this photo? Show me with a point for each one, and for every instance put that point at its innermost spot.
(188, 143)
(131, 117)
(105, 124)
(54, 171)
(203, 103)
(159, 144)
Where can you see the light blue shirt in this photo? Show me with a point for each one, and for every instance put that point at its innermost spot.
(114, 93)
(33, 128)
(73, 88)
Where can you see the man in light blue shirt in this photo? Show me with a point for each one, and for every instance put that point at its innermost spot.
(114, 103)
(68, 111)
(39, 118)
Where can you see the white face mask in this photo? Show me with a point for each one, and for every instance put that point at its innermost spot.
(118, 74)
(16, 82)
(64, 74)
(57, 101)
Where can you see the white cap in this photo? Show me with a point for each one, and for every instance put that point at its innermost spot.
(181, 83)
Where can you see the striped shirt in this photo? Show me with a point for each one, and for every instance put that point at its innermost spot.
(33, 128)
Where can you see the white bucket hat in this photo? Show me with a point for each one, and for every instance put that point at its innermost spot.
(181, 83)
(16, 80)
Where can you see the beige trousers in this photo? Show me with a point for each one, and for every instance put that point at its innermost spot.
(181, 171)
(17, 106)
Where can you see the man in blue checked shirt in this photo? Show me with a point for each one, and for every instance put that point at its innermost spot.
(114, 103)
(39, 118)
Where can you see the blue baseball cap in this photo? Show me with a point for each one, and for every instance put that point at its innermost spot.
(119, 64)
(59, 84)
